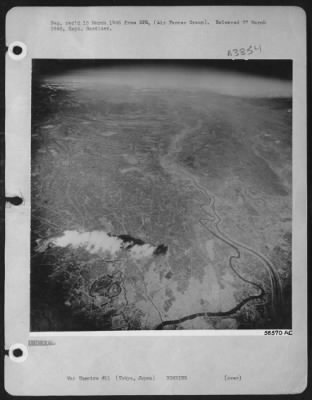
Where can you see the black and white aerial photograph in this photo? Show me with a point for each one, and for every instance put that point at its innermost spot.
(161, 195)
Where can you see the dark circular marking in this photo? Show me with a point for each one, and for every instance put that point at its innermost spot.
(114, 290)
(100, 286)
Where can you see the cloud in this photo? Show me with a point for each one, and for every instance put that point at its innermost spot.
(99, 242)
(93, 242)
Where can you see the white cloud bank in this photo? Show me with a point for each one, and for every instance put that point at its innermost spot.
(99, 242)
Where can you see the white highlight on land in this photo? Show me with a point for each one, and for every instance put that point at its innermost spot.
(145, 250)
(99, 241)
(210, 249)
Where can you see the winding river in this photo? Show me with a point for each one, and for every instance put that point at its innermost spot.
(212, 223)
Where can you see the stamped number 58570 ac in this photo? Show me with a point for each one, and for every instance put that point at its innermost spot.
(278, 332)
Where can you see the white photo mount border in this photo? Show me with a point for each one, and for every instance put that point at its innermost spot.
(159, 354)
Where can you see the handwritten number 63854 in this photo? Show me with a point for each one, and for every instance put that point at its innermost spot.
(244, 51)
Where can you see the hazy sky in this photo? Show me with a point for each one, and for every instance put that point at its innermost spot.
(256, 78)
(223, 82)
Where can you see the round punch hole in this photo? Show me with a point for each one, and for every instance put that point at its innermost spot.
(18, 352)
(17, 50)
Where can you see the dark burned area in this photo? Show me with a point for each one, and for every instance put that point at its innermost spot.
(130, 241)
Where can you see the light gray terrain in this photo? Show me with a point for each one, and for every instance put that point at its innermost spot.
(205, 175)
